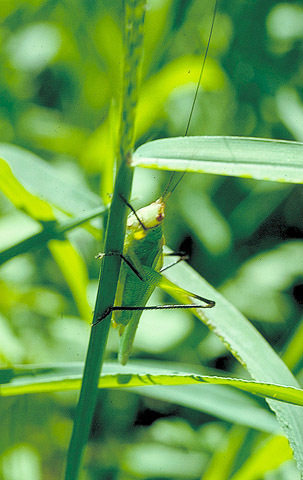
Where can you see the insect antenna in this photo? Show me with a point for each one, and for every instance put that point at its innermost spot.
(134, 212)
(167, 191)
(202, 68)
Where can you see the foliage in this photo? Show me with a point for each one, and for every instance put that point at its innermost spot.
(61, 64)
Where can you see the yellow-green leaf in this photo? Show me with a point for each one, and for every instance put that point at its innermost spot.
(63, 382)
(75, 273)
(21, 198)
(269, 457)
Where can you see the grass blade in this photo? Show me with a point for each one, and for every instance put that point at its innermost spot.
(250, 348)
(110, 266)
(262, 159)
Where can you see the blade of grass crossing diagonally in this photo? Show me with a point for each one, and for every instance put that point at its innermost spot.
(50, 231)
(244, 341)
(134, 17)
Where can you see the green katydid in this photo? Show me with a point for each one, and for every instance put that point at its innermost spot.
(140, 274)
(140, 271)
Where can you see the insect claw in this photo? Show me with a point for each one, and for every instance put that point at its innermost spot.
(210, 304)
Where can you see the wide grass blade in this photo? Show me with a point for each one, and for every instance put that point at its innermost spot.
(249, 347)
(262, 159)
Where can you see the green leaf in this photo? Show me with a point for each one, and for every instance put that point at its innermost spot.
(219, 401)
(221, 463)
(177, 73)
(51, 230)
(21, 198)
(127, 380)
(262, 159)
(44, 181)
(294, 350)
(269, 457)
(249, 347)
(31, 174)
(258, 287)
(75, 273)
(223, 402)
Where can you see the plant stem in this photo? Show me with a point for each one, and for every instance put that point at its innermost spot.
(134, 17)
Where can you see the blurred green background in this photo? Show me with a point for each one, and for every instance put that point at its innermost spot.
(59, 90)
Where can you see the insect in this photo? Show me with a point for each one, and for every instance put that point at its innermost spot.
(142, 263)
(140, 274)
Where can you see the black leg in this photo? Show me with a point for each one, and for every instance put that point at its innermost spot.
(209, 304)
(131, 266)
(182, 256)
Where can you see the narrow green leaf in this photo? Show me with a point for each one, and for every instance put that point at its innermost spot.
(294, 351)
(114, 237)
(269, 457)
(75, 273)
(219, 401)
(127, 380)
(223, 459)
(229, 404)
(262, 159)
(51, 230)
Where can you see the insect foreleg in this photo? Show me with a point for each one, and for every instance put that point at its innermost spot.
(131, 266)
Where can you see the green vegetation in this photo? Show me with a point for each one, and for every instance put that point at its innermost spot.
(239, 218)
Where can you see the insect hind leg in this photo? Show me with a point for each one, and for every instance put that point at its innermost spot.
(209, 304)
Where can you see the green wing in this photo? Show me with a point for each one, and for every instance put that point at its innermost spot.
(128, 332)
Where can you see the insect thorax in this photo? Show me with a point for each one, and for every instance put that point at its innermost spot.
(145, 240)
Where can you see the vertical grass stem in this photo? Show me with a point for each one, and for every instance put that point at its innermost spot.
(109, 275)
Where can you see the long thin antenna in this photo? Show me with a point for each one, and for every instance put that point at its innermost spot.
(167, 193)
(202, 68)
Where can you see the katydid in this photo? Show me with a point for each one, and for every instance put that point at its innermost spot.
(142, 264)
(143, 249)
